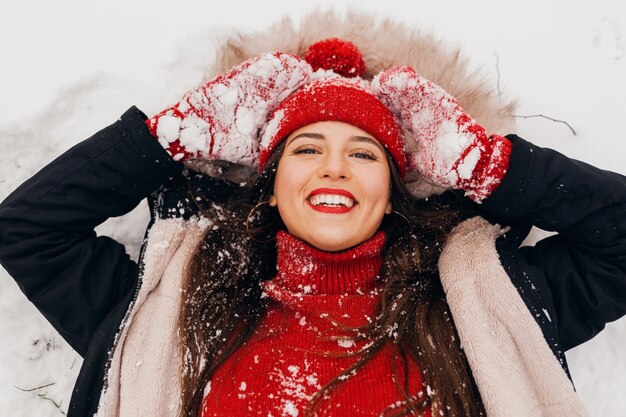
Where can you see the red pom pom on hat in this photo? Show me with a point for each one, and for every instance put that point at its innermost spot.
(341, 56)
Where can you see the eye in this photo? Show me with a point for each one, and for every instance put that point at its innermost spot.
(365, 155)
(305, 149)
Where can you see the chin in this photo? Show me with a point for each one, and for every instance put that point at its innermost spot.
(326, 247)
(333, 243)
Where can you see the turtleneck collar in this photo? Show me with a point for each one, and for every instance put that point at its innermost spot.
(306, 270)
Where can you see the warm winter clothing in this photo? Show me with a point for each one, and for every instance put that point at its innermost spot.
(338, 93)
(283, 364)
(383, 44)
(339, 99)
(571, 284)
(221, 119)
(455, 151)
(530, 303)
(342, 56)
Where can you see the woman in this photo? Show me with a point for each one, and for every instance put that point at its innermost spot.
(331, 159)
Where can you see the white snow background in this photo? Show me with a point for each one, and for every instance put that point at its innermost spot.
(71, 67)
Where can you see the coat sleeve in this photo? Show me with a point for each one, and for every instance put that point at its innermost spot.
(585, 262)
(47, 239)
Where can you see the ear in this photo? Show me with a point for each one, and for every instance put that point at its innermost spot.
(272, 201)
(388, 209)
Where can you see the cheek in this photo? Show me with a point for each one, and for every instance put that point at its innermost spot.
(377, 188)
(287, 184)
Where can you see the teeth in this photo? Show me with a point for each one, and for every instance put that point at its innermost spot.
(331, 199)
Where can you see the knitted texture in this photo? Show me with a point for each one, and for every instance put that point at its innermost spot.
(453, 150)
(221, 119)
(343, 57)
(301, 343)
(339, 99)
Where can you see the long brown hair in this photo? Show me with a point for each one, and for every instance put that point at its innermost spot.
(223, 305)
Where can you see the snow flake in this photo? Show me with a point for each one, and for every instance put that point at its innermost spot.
(168, 129)
(271, 128)
(293, 369)
(290, 409)
(345, 343)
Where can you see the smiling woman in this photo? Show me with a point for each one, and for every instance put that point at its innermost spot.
(332, 185)
(332, 281)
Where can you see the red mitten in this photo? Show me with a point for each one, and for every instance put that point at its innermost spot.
(453, 150)
(221, 119)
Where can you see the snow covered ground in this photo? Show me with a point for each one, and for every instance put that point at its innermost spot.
(71, 67)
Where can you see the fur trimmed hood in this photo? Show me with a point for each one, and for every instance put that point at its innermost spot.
(383, 43)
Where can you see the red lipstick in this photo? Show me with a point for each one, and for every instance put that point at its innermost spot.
(337, 191)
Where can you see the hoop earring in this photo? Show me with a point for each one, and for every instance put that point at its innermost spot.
(404, 217)
(248, 223)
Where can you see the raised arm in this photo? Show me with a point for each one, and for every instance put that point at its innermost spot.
(585, 262)
(47, 239)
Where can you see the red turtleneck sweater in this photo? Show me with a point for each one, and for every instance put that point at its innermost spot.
(297, 349)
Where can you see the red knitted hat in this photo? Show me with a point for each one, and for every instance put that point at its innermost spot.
(335, 97)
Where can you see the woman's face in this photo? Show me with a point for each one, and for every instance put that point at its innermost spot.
(332, 185)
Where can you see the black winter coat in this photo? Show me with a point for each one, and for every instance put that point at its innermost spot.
(84, 284)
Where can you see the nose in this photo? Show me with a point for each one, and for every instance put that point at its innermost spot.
(334, 166)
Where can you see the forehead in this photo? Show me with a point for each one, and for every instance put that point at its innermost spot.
(334, 130)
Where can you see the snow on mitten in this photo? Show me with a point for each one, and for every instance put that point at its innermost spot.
(453, 150)
(221, 119)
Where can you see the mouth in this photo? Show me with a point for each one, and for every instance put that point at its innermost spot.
(331, 200)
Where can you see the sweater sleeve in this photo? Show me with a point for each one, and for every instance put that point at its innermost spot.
(47, 239)
(585, 262)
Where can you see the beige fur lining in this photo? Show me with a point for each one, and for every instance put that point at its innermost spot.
(144, 373)
(515, 370)
(383, 43)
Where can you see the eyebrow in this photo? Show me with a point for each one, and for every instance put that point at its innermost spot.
(355, 138)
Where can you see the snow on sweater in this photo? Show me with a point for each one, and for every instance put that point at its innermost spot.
(297, 349)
